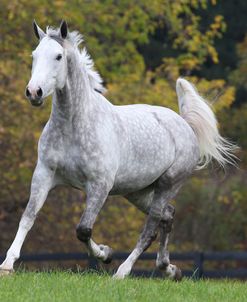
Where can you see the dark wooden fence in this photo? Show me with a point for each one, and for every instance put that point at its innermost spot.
(197, 259)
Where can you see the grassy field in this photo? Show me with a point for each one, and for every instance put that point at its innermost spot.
(66, 286)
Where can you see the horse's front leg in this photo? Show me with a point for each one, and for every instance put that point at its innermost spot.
(42, 182)
(96, 197)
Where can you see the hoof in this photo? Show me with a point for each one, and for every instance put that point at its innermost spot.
(178, 275)
(6, 272)
(122, 272)
(118, 277)
(107, 261)
(173, 272)
(108, 254)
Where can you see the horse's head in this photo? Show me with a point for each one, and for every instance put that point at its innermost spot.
(49, 68)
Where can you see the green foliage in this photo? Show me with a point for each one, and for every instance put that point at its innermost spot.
(120, 35)
(239, 76)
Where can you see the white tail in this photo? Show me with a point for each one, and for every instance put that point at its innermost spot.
(198, 114)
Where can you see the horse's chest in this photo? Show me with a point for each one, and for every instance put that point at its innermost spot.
(71, 166)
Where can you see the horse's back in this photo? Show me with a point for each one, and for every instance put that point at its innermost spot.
(146, 123)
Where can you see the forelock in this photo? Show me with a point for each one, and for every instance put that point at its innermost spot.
(74, 37)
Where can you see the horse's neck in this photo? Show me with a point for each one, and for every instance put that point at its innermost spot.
(76, 100)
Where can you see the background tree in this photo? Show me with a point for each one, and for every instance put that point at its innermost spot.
(140, 48)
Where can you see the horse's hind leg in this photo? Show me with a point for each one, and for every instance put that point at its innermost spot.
(163, 193)
(148, 235)
(163, 261)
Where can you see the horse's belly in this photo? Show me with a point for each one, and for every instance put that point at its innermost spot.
(123, 187)
(137, 174)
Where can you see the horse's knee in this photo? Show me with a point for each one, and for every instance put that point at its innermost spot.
(170, 211)
(83, 234)
(167, 220)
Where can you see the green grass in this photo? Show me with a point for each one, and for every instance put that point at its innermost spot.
(66, 286)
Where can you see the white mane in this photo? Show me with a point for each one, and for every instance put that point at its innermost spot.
(75, 38)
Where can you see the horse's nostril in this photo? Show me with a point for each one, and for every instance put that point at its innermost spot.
(28, 94)
(39, 92)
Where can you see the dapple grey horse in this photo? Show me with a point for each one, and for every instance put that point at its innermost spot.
(142, 152)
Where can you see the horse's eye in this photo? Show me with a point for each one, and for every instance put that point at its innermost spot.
(58, 57)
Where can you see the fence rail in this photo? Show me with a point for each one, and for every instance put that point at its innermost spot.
(197, 271)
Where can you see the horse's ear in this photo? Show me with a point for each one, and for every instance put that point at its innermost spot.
(63, 29)
(38, 31)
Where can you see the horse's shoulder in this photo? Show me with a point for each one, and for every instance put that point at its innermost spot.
(48, 143)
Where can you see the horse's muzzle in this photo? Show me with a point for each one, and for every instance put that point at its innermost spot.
(34, 96)
(35, 102)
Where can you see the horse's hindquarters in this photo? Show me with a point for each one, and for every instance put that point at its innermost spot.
(151, 140)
